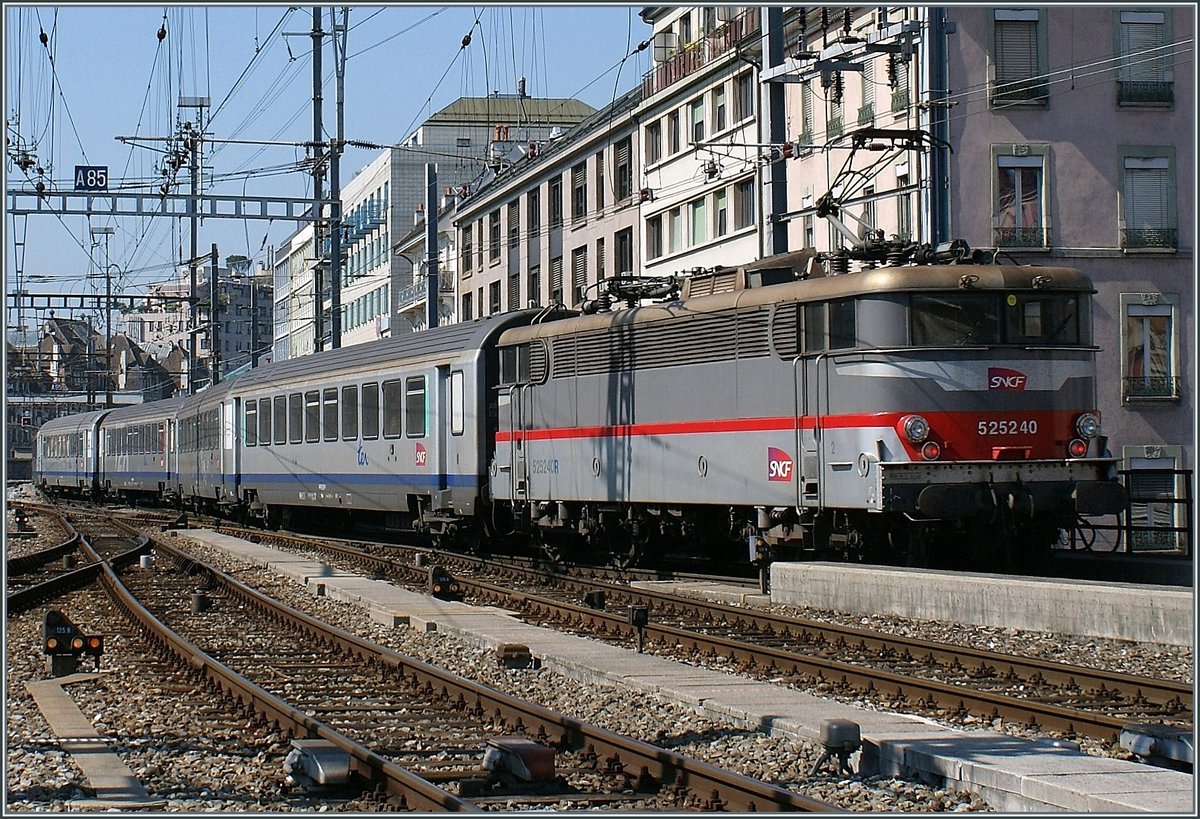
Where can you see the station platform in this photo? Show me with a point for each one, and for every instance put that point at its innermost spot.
(1010, 773)
(1119, 611)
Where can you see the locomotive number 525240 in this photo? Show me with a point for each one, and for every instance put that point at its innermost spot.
(1008, 426)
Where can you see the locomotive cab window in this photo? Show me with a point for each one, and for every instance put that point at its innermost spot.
(393, 408)
(814, 328)
(1041, 318)
(843, 331)
(954, 318)
(414, 406)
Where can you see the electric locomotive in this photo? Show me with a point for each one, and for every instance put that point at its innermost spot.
(938, 414)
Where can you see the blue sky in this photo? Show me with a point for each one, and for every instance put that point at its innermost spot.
(113, 77)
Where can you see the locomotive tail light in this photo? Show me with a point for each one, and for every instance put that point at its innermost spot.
(1077, 448)
(931, 451)
(916, 428)
(1087, 425)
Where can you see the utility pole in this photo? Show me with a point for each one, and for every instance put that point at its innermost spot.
(196, 139)
(318, 174)
(774, 125)
(335, 184)
(214, 313)
(431, 246)
(108, 392)
(253, 321)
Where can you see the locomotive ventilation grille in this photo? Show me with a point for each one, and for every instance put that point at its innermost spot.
(697, 339)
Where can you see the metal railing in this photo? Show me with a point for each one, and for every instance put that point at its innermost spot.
(1020, 92)
(1164, 238)
(1020, 237)
(695, 55)
(1150, 386)
(1145, 92)
(1147, 537)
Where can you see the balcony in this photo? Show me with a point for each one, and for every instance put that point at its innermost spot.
(1145, 92)
(1149, 239)
(1020, 237)
(699, 53)
(1150, 386)
(866, 114)
(834, 127)
(899, 100)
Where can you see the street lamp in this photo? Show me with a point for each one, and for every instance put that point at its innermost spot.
(106, 232)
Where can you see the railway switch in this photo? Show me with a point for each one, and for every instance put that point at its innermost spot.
(840, 738)
(522, 758)
(316, 763)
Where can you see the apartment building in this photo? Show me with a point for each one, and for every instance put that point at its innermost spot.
(1074, 133)
(558, 217)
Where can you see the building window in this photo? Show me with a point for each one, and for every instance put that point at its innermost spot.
(720, 213)
(556, 203)
(494, 306)
(654, 237)
(868, 211)
(601, 271)
(514, 225)
(1148, 203)
(535, 286)
(904, 209)
(697, 109)
(624, 165)
(806, 113)
(743, 100)
(653, 142)
(578, 273)
(673, 145)
(1144, 76)
(494, 235)
(1158, 497)
(866, 113)
(533, 207)
(1149, 346)
(600, 183)
(699, 222)
(579, 192)
(514, 291)
(624, 259)
(900, 88)
(675, 230)
(743, 204)
(1020, 77)
(810, 232)
(556, 280)
(719, 113)
(1020, 198)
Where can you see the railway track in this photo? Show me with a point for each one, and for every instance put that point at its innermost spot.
(942, 680)
(416, 731)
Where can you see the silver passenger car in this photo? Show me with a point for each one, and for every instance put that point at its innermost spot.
(66, 453)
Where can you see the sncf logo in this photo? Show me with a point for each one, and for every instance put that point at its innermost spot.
(1000, 378)
(779, 465)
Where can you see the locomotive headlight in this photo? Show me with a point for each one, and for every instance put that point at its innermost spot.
(916, 429)
(1087, 425)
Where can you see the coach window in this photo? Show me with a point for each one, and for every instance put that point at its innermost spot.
(251, 432)
(414, 406)
(312, 416)
(296, 418)
(393, 408)
(457, 410)
(329, 414)
(280, 413)
(349, 413)
(842, 330)
(264, 421)
(370, 412)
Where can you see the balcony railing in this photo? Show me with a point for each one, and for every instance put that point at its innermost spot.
(695, 55)
(1019, 237)
(834, 128)
(1145, 92)
(1020, 92)
(1160, 238)
(866, 114)
(899, 100)
(1151, 386)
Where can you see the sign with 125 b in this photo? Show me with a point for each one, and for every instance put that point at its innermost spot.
(91, 177)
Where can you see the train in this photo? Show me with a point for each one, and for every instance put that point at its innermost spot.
(915, 414)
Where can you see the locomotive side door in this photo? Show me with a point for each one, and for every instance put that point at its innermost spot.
(808, 433)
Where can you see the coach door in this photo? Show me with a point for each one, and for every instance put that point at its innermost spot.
(227, 480)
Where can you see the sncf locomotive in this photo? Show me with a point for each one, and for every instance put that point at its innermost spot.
(929, 414)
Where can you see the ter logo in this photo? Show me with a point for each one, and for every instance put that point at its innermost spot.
(779, 465)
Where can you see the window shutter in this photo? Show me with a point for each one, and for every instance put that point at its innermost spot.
(514, 292)
(1016, 52)
(578, 271)
(556, 274)
(1145, 197)
(1142, 55)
